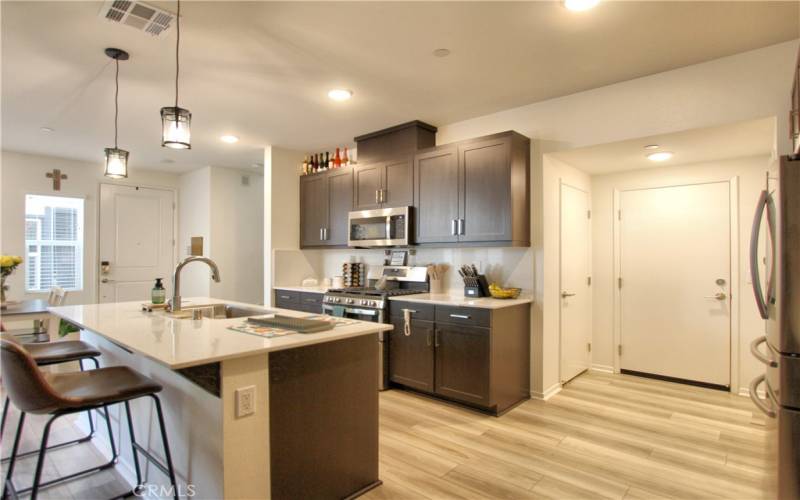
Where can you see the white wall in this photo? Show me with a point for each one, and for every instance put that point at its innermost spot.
(228, 215)
(22, 174)
(745, 86)
(751, 174)
(194, 219)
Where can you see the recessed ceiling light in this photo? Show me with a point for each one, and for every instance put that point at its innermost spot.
(580, 5)
(46, 130)
(659, 156)
(652, 146)
(441, 52)
(340, 94)
(230, 139)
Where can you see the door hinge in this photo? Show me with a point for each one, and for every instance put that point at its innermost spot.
(588, 214)
(173, 205)
(589, 281)
(619, 214)
(589, 347)
(619, 282)
(619, 349)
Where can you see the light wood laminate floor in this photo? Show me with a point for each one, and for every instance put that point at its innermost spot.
(602, 436)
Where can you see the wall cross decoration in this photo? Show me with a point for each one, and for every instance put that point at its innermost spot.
(57, 177)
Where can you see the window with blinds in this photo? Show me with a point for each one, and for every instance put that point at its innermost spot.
(53, 243)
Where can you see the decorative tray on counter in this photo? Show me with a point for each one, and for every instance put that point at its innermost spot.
(278, 325)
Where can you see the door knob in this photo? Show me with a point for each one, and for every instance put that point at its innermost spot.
(106, 280)
(718, 296)
(564, 295)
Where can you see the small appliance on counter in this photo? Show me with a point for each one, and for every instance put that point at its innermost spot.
(475, 284)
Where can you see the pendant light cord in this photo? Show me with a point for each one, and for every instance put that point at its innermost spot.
(116, 103)
(177, 57)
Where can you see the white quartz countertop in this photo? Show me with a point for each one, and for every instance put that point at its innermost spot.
(308, 289)
(179, 343)
(446, 299)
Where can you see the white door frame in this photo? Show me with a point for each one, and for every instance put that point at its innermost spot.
(561, 185)
(174, 192)
(735, 265)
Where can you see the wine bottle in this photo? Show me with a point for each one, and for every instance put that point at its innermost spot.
(327, 160)
(305, 165)
(337, 160)
(345, 159)
(314, 164)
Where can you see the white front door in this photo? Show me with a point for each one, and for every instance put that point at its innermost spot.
(675, 266)
(136, 241)
(576, 297)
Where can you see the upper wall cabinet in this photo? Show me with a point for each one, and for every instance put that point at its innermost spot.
(325, 201)
(385, 184)
(474, 192)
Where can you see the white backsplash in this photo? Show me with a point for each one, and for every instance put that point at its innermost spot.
(506, 266)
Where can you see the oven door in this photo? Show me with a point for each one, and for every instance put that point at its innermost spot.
(361, 314)
(384, 227)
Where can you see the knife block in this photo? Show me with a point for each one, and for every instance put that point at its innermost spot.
(481, 289)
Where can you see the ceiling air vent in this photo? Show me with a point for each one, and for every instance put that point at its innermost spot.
(138, 15)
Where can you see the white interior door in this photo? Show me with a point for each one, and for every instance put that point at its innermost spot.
(136, 240)
(675, 266)
(576, 297)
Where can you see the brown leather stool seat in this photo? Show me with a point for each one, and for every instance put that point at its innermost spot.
(33, 391)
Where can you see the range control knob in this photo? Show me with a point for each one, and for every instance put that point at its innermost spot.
(349, 301)
(373, 303)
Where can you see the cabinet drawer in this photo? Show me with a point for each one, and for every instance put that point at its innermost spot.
(308, 298)
(423, 311)
(471, 316)
(287, 296)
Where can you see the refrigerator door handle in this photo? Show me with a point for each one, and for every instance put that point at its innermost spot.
(755, 275)
(760, 355)
(767, 410)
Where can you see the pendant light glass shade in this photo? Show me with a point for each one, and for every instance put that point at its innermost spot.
(176, 128)
(116, 163)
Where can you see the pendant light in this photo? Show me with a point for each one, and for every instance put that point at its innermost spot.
(176, 123)
(116, 159)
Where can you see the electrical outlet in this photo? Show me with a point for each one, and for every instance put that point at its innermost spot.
(245, 401)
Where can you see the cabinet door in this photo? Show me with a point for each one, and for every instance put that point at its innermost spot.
(462, 363)
(340, 203)
(411, 356)
(436, 185)
(313, 209)
(398, 183)
(367, 181)
(485, 177)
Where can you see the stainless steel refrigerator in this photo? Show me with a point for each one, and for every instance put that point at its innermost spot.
(777, 391)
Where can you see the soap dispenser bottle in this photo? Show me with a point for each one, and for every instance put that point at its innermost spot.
(158, 294)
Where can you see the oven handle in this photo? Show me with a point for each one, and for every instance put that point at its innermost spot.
(365, 312)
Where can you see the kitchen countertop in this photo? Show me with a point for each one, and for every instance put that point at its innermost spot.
(461, 301)
(180, 343)
(308, 289)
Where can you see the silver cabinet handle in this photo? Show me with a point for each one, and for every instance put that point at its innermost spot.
(285, 297)
(325, 232)
(718, 296)
(428, 338)
(768, 411)
(377, 196)
(460, 316)
(755, 275)
(321, 237)
(436, 338)
(760, 355)
(461, 226)
(564, 295)
(453, 227)
(382, 195)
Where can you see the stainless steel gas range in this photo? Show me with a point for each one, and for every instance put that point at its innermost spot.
(371, 303)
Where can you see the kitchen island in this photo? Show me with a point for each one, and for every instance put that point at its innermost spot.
(313, 428)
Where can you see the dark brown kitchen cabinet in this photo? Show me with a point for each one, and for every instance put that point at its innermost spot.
(411, 356)
(474, 192)
(462, 363)
(310, 302)
(325, 201)
(437, 195)
(479, 357)
(386, 184)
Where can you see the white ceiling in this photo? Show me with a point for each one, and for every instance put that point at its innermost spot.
(735, 140)
(261, 70)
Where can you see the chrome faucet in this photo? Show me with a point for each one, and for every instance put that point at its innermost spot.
(175, 303)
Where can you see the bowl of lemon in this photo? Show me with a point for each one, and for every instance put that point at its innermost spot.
(499, 292)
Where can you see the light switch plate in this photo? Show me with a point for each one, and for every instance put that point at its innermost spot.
(245, 401)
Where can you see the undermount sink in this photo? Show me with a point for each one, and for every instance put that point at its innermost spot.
(221, 311)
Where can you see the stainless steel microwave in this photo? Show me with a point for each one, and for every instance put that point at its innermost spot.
(383, 227)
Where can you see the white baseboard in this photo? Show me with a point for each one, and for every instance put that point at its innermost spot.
(745, 392)
(602, 368)
(548, 393)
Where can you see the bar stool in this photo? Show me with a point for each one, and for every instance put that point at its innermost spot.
(51, 353)
(33, 391)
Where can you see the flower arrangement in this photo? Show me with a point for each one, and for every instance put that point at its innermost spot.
(8, 263)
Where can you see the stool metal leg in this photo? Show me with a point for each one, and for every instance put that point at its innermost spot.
(37, 476)
(139, 482)
(10, 471)
(164, 440)
(6, 402)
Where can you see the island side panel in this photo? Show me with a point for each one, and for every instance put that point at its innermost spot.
(324, 419)
(246, 439)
